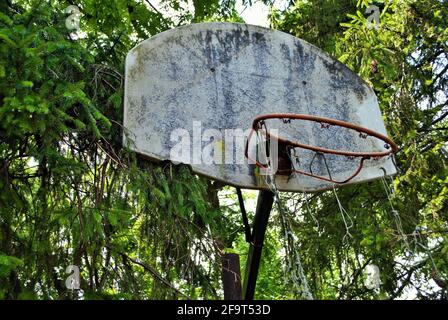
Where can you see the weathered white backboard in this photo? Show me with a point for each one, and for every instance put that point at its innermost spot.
(192, 93)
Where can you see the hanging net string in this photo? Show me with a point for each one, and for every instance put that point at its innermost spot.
(348, 222)
(396, 216)
(294, 264)
(294, 270)
(417, 235)
(418, 238)
(294, 174)
(310, 212)
(345, 217)
(344, 214)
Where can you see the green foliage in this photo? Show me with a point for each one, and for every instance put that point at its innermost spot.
(8, 264)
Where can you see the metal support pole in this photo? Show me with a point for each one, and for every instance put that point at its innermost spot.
(264, 206)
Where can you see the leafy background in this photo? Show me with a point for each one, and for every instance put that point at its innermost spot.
(71, 194)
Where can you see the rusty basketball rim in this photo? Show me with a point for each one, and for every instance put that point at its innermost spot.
(258, 122)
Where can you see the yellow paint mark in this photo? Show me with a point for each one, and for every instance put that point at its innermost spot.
(220, 145)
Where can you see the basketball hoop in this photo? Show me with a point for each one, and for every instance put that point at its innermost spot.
(259, 123)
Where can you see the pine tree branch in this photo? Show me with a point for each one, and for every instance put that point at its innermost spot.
(152, 271)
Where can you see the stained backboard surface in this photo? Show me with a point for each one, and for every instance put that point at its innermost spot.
(192, 93)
